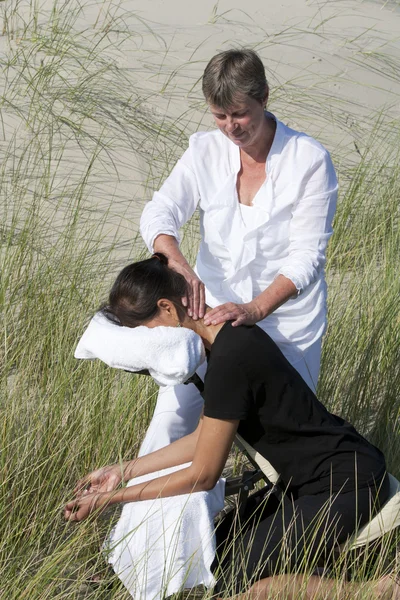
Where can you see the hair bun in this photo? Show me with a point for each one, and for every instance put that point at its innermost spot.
(161, 257)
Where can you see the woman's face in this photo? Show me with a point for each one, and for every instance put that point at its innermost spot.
(244, 123)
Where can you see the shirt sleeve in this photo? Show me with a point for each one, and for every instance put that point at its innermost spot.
(173, 205)
(311, 223)
(227, 394)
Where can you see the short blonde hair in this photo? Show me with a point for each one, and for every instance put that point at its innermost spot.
(233, 74)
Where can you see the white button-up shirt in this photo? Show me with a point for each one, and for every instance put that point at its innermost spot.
(287, 233)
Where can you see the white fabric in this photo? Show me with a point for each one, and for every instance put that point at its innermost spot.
(176, 414)
(250, 215)
(160, 546)
(236, 262)
(170, 354)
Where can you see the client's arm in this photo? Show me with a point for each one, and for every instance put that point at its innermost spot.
(108, 478)
(208, 448)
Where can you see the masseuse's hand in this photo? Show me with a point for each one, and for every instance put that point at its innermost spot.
(81, 508)
(195, 300)
(240, 314)
(106, 479)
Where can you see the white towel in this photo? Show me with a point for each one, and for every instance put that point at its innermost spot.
(159, 547)
(170, 354)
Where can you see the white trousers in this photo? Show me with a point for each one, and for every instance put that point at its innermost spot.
(179, 407)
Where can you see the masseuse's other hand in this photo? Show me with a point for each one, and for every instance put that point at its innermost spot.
(195, 300)
(81, 508)
(240, 314)
(106, 479)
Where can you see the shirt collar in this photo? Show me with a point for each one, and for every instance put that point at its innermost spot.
(277, 143)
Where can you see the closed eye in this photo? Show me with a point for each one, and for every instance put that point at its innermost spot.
(236, 115)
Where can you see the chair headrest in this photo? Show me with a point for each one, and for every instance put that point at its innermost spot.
(170, 354)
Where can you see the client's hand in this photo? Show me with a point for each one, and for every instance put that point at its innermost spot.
(106, 479)
(81, 508)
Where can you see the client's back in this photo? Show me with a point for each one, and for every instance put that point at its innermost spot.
(248, 378)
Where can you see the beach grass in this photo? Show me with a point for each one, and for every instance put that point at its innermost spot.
(81, 147)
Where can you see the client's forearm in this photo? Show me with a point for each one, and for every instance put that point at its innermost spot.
(178, 453)
(184, 481)
(207, 449)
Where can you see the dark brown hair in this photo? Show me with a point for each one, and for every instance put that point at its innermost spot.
(137, 289)
(232, 75)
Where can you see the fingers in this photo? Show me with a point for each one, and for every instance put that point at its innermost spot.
(241, 320)
(190, 300)
(102, 480)
(111, 484)
(82, 485)
(196, 298)
(70, 512)
(76, 516)
(202, 301)
(80, 509)
(222, 313)
(194, 304)
(239, 314)
(92, 478)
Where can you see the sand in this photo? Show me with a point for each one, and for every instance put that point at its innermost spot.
(333, 68)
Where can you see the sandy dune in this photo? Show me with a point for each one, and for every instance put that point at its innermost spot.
(333, 69)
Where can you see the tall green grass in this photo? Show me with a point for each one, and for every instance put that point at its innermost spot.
(360, 376)
(81, 148)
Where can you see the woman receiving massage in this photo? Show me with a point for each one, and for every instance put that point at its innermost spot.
(334, 478)
(267, 196)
